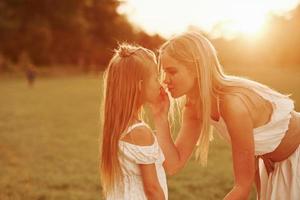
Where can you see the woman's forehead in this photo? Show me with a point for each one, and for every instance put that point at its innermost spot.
(168, 62)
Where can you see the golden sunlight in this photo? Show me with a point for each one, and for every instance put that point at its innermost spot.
(220, 18)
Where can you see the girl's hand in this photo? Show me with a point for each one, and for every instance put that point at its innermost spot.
(160, 108)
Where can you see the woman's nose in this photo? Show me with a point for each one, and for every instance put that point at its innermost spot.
(167, 79)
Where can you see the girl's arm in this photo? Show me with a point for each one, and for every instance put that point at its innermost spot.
(142, 136)
(240, 128)
(151, 184)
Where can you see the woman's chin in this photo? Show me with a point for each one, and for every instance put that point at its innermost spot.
(175, 94)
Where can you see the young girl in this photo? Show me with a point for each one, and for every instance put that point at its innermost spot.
(131, 159)
(259, 123)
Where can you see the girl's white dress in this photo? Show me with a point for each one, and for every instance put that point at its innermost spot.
(131, 156)
(284, 182)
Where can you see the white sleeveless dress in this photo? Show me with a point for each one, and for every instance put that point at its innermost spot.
(284, 182)
(131, 156)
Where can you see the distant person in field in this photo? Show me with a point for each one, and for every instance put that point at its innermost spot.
(131, 159)
(30, 74)
(29, 68)
(259, 123)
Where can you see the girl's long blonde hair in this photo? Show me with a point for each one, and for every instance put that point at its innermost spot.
(194, 50)
(121, 104)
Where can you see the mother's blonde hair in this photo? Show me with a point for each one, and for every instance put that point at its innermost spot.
(192, 49)
(121, 104)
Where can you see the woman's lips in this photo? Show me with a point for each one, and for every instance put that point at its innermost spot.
(170, 88)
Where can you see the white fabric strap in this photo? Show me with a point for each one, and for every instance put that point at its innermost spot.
(130, 128)
(139, 124)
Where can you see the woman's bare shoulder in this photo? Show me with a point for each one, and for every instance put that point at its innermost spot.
(232, 105)
(236, 115)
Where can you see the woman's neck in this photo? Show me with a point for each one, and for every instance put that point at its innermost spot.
(193, 98)
(193, 95)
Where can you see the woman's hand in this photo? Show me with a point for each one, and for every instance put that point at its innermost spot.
(160, 108)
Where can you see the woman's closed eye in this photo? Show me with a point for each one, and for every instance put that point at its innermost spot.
(171, 72)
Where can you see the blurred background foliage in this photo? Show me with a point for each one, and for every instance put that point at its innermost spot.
(83, 33)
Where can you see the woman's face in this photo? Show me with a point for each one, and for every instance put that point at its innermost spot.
(179, 78)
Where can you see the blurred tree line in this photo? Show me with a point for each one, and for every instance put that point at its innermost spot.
(66, 32)
(84, 33)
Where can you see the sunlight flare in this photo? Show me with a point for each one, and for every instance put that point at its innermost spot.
(227, 18)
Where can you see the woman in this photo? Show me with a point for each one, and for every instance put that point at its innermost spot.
(260, 123)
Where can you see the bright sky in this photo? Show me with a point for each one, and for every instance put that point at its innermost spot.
(219, 17)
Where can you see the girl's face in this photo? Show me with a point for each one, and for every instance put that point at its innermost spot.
(150, 85)
(179, 79)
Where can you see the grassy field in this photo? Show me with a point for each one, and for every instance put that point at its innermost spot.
(49, 140)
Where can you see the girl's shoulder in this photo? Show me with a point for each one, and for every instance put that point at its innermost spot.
(139, 134)
(140, 145)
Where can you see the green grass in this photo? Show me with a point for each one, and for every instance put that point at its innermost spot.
(49, 140)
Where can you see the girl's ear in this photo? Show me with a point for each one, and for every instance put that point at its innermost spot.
(140, 85)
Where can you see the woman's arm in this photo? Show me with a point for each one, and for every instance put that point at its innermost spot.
(178, 153)
(240, 127)
(151, 184)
